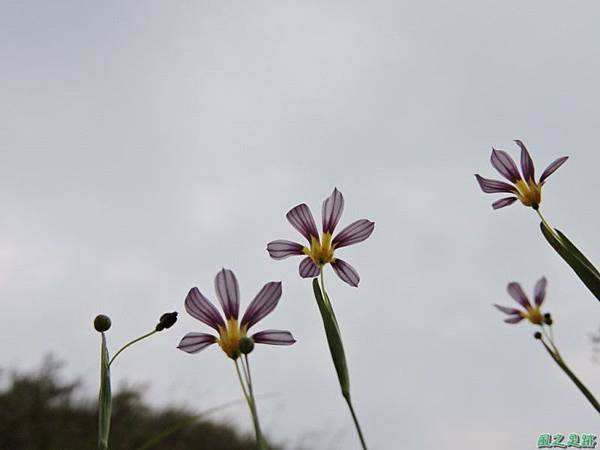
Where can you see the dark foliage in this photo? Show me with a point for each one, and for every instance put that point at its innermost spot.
(40, 412)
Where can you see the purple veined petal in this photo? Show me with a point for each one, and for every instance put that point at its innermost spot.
(307, 268)
(333, 206)
(506, 310)
(302, 220)
(493, 186)
(346, 272)
(282, 249)
(540, 291)
(199, 307)
(527, 166)
(194, 342)
(516, 292)
(504, 164)
(504, 202)
(274, 337)
(263, 304)
(552, 168)
(515, 319)
(354, 233)
(228, 293)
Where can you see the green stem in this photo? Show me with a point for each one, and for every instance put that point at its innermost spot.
(584, 390)
(249, 394)
(547, 225)
(325, 296)
(345, 392)
(356, 424)
(129, 344)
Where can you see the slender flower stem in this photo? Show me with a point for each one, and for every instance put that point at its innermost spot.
(345, 392)
(325, 296)
(558, 359)
(547, 225)
(356, 423)
(129, 344)
(246, 384)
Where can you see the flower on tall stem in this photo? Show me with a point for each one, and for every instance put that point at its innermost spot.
(320, 250)
(523, 188)
(232, 335)
(545, 334)
(318, 254)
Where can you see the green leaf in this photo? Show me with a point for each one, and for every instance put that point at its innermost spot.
(334, 339)
(584, 269)
(104, 398)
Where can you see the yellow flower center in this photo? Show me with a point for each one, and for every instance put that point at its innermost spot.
(229, 337)
(534, 315)
(320, 252)
(530, 192)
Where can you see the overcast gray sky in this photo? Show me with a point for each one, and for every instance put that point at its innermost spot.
(145, 145)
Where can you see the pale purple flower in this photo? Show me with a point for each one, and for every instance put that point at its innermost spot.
(523, 188)
(320, 250)
(530, 312)
(229, 330)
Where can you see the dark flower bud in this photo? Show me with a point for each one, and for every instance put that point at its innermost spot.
(246, 345)
(102, 323)
(167, 320)
(537, 335)
(548, 319)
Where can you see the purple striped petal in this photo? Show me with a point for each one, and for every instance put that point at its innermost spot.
(302, 220)
(504, 164)
(527, 166)
(346, 272)
(515, 319)
(516, 292)
(265, 301)
(308, 269)
(493, 186)
(274, 337)
(506, 310)
(199, 307)
(540, 291)
(504, 202)
(281, 249)
(356, 232)
(552, 168)
(228, 293)
(194, 342)
(332, 210)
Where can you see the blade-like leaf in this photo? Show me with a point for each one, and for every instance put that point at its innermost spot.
(104, 398)
(334, 339)
(584, 269)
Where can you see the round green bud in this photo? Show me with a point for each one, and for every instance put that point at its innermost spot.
(102, 323)
(537, 335)
(246, 345)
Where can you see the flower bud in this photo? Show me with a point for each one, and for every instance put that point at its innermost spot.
(102, 323)
(167, 320)
(537, 335)
(246, 345)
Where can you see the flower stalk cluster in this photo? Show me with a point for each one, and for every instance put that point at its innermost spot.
(524, 188)
(102, 324)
